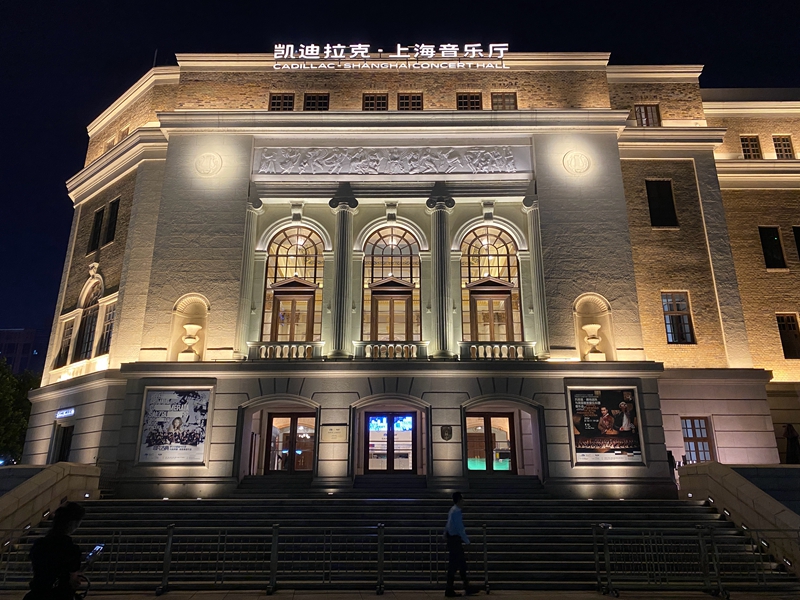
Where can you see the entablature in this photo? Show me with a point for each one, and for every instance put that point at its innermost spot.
(755, 174)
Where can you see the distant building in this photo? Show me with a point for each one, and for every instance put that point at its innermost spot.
(450, 265)
(23, 349)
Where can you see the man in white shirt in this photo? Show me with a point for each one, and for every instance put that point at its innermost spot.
(456, 537)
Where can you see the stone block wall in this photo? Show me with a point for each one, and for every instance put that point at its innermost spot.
(763, 127)
(673, 259)
(765, 292)
(675, 100)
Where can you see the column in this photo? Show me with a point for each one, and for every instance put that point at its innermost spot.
(440, 205)
(254, 208)
(344, 207)
(530, 205)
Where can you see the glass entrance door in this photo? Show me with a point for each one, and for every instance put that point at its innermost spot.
(390, 443)
(291, 447)
(490, 443)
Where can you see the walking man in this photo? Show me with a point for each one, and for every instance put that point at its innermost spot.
(456, 537)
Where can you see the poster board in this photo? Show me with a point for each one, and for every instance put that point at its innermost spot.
(174, 429)
(605, 425)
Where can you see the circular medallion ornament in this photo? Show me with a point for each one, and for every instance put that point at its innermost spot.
(576, 163)
(208, 164)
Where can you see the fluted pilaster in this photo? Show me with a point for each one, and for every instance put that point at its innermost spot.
(530, 205)
(344, 206)
(254, 208)
(440, 205)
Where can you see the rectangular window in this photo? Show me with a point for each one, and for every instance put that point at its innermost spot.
(111, 226)
(97, 227)
(281, 102)
(662, 203)
(108, 329)
(751, 148)
(66, 341)
(85, 342)
(316, 102)
(468, 101)
(504, 101)
(790, 335)
(697, 441)
(677, 317)
(409, 101)
(647, 115)
(783, 147)
(772, 247)
(375, 102)
(796, 231)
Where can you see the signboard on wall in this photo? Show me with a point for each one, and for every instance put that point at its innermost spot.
(333, 433)
(174, 424)
(605, 425)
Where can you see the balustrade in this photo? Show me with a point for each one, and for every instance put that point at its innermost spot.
(498, 350)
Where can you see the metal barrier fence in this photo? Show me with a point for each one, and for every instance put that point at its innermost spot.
(300, 557)
(708, 559)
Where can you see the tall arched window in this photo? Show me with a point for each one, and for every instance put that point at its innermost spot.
(490, 300)
(84, 345)
(293, 295)
(391, 287)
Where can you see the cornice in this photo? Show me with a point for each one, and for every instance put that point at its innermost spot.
(142, 144)
(155, 76)
(671, 138)
(759, 174)
(653, 73)
(394, 123)
(750, 109)
(533, 61)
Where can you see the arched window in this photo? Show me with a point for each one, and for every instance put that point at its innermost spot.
(293, 295)
(391, 287)
(84, 344)
(490, 300)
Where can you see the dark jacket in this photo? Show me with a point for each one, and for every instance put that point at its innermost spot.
(53, 558)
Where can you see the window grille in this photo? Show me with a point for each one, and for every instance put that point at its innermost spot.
(66, 341)
(677, 317)
(783, 147)
(647, 115)
(751, 147)
(468, 101)
(84, 345)
(697, 440)
(409, 101)
(108, 329)
(281, 102)
(316, 102)
(504, 101)
(375, 102)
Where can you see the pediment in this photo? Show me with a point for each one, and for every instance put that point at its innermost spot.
(391, 284)
(490, 284)
(295, 284)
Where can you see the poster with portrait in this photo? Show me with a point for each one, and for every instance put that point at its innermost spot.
(174, 426)
(605, 426)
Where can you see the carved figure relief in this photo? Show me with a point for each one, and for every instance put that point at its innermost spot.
(385, 161)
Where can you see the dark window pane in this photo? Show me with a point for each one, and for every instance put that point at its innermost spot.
(376, 102)
(771, 245)
(751, 148)
(677, 318)
(783, 147)
(66, 340)
(790, 335)
(468, 102)
(662, 204)
(316, 102)
(85, 342)
(111, 228)
(281, 102)
(97, 227)
(409, 101)
(797, 239)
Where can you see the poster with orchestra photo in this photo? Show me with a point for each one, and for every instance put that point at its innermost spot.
(605, 425)
(174, 426)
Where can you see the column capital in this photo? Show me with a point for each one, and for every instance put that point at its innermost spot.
(531, 200)
(343, 198)
(255, 206)
(440, 198)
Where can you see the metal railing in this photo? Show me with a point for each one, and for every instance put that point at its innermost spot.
(295, 558)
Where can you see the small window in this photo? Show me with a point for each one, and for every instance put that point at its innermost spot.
(661, 203)
(409, 101)
(504, 101)
(783, 147)
(316, 102)
(647, 115)
(281, 102)
(111, 226)
(97, 227)
(772, 247)
(751, 148)
(796, 231)
(468, 102)
(790, 335)
(66, 341)
(677, 317)
(108, 329)
(697, 441)
(375, 102)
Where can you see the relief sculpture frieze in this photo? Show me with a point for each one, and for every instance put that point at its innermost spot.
(388, 161)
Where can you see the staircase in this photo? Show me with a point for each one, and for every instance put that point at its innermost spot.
(533, 542)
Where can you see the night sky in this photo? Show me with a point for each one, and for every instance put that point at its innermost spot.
(64, 62)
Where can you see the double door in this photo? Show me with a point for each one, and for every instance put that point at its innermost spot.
(390, 442)
(291, 442)
(490, 442)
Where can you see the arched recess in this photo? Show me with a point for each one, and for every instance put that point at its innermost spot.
(407, 452)
(259, 445)
(274, 228)
(515, 232)
(190, 311)
(505, 425)
(375, 225)
(593, 319)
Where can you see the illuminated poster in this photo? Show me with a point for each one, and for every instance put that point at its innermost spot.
(605, 426)
(174, 426)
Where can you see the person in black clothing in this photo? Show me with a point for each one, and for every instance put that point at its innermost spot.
(56, 560)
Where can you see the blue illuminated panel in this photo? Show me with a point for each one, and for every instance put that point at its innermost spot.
(378, 423)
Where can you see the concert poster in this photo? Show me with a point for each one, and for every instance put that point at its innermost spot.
(174, 426)
(605, 426)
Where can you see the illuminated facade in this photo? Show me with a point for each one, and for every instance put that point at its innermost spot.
(529, 264)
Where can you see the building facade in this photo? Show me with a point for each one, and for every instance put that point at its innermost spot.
(450, 267)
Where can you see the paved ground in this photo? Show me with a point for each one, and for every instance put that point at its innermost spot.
(415, 595)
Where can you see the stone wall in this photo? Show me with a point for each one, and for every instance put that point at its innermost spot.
(762, 126)
(675, 100)
(673, 259)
